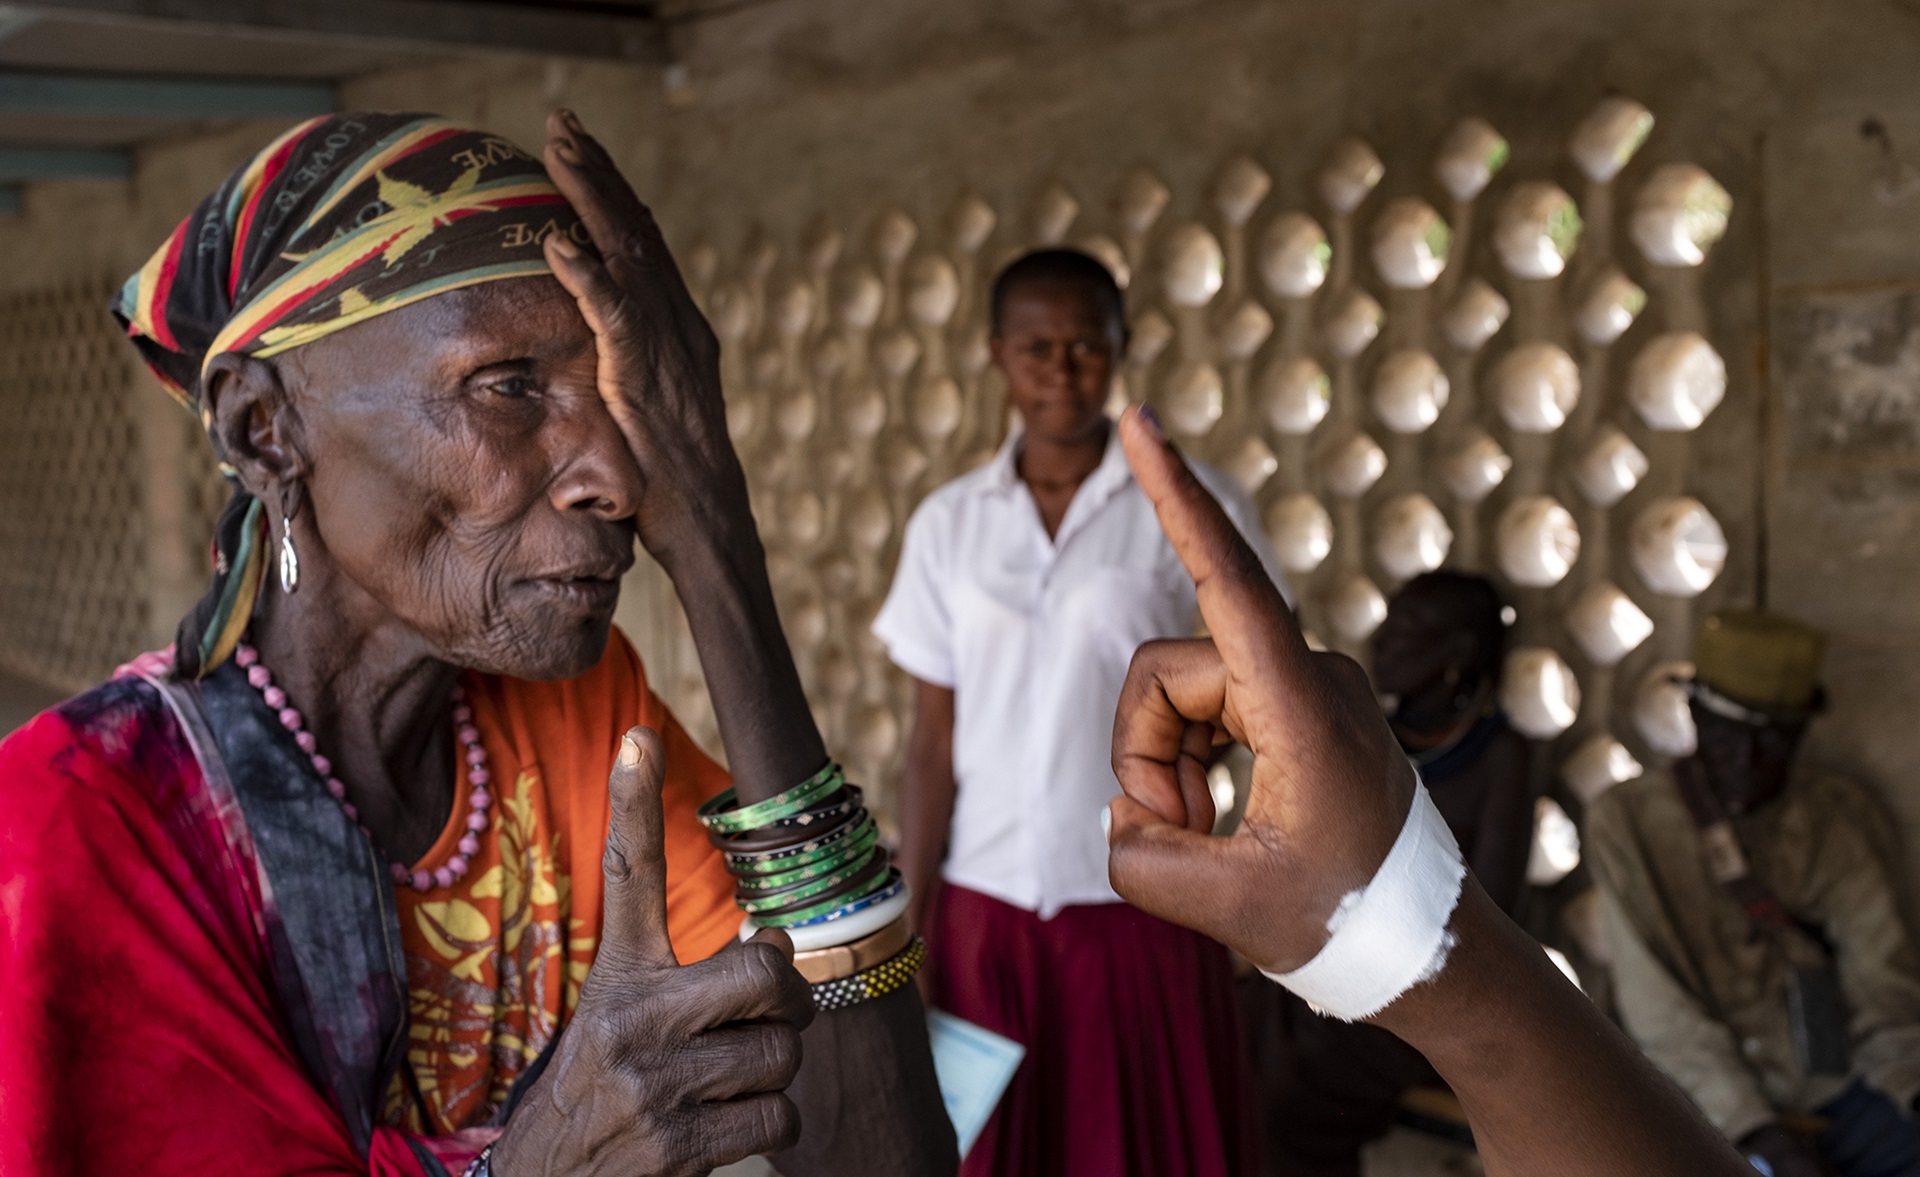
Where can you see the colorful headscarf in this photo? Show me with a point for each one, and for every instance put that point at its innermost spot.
(338, 220)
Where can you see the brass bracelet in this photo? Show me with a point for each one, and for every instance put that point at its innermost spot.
(844, 960)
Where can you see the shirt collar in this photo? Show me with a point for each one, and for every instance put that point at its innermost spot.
(1107, 478)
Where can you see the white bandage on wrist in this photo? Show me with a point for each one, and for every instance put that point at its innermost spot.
(1391, 934)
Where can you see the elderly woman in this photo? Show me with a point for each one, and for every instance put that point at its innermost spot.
(351, 879)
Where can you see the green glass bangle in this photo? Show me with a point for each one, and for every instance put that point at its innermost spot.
(793, 895)
(719, 816)
(841, 854)
(889, 879)
(800, 853)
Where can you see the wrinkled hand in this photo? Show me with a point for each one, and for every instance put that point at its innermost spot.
(1331, 787)
(1786, 1154)
(664, 1069)
(659, 361)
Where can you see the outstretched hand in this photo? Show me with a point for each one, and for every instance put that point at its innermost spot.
(1549, 1085)
(1331, 787)
(665, 1069)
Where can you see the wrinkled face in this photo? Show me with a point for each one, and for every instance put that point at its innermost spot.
(466, 478)
(1057, 348)
(1747, 764)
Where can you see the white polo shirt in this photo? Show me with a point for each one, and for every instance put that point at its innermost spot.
(1034, 637)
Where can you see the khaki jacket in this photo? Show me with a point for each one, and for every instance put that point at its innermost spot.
(1704, 992)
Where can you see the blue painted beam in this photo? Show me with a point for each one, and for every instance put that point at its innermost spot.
(113, 96)
(9, 201)
(24, 164)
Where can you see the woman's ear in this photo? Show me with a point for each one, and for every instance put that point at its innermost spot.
(254, 424)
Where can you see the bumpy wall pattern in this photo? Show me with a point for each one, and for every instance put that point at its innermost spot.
(1462, 369)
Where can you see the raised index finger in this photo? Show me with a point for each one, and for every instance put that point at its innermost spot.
(1249, 620)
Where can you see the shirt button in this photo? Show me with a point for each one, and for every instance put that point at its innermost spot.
(1751, 1047)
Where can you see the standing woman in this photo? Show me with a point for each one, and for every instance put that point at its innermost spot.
(1023, 590)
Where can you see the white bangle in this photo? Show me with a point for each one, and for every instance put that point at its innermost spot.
(845, 930)
(1391, 934)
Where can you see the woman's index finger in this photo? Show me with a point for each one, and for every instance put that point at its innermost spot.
(1243, 609)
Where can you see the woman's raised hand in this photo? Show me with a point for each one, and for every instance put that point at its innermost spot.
(1331, 787)
(659, 359)
(664, 1069)
(659, 376)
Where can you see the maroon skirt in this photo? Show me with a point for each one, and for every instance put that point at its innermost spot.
(1136, 1065)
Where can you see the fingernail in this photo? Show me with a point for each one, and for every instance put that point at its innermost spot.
(568, 153)
(1151, 420)
(571, 119)
(629, 750)
(564, 246)
(1106, 825)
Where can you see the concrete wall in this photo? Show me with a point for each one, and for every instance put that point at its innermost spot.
(786, 111)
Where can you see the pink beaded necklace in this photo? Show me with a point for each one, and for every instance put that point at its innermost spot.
(479, 800)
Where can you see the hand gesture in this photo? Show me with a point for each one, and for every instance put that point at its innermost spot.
(1331, 787)
(1549, 1085)
(664, 1069)
(659, 362)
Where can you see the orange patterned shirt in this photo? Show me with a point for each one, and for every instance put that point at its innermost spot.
(495, 962)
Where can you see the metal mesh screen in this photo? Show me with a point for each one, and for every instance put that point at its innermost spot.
(72, 548)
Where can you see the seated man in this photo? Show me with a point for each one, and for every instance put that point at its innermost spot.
(1760, 957)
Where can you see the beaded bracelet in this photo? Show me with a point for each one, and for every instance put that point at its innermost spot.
(878, 981)
(720, 816)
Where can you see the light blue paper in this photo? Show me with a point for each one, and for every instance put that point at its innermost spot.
(974, 1066)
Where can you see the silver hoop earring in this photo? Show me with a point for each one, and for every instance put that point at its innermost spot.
(289, 559)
